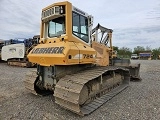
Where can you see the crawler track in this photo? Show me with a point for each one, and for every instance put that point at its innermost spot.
(30, 80)
(68, 91)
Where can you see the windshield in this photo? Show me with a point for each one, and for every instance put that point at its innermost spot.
(56, 27)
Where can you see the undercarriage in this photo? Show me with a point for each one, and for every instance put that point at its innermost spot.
(81, 90)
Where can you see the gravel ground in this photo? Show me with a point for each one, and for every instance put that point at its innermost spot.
(140, 101)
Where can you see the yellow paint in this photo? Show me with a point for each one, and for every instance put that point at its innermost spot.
(103, 53)
(76, 51)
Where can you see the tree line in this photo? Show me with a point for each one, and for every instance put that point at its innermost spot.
(126, 52)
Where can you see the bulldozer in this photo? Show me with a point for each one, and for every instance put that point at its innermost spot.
(72, 64)
(16, 51)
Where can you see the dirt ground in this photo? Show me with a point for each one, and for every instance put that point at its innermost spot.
(140, 101)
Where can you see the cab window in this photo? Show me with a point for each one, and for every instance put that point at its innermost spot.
(80, 26)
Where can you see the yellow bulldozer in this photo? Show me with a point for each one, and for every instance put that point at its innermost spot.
(73, 62)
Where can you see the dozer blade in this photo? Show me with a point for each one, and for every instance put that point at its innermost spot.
(71, 91)
(134, 71)
(133, 68)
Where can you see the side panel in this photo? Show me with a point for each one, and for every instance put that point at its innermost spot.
(62, 53)
(103, 52)
(86, 54)
(13, 51)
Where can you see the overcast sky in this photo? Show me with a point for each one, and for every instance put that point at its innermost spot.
(134, 22)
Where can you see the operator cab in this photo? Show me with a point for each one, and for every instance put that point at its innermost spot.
(64, 20)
